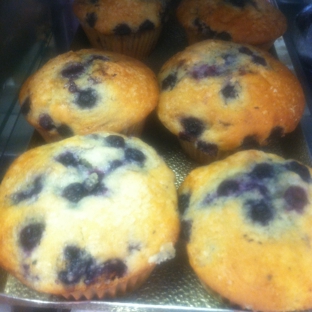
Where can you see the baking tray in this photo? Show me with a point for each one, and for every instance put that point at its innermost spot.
(173, 286)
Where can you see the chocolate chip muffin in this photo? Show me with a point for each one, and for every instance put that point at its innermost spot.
(87, 216)
(130, 27)
(255, 22)
(218, 96)
(248, 226)
(87, 91)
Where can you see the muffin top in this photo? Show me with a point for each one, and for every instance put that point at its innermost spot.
(88, 210)
(88, 90)
(248, 221)
(221, 95)
(120, 17)
(244, 21)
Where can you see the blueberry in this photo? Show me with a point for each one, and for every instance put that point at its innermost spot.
(34, 189)
(193, 127)
(115, 141)
(68, 159)
(250, 141)
(183, 202)
(147, 25)
(204, 71)
(31, 235)
(229, 91)
(72, 87)
(73, 70)
(210, 149)
(86, 98)
(186, 226)
(46, 122)
(262, 171)
(245, 50)
(113, 165)
(259, 60)
(25, 107)
(91, 19)
(259, 211)
(300, 169)
(204, 29)
(134, 155)
(122, 30)
(296, 198)
(65, 131)
(228, 188)
(169, 82)
(113, 268)
(77, 262)
(74, 192)
(95, 57)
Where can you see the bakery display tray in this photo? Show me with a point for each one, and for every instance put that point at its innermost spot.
(173, 286)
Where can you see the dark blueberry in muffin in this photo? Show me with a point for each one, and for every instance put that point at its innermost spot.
(259, 211)
(122, 30)
(86, 98)
(300, 169)
(25, 107)
(109, 270)
(183, 202)
(115, 141)
(228, 188)
(68, 159)
(76, 263)
(113, 165)
(204, 71)
(95, 57)
(74, 192)
(73, 70)
(34, 189)
(114, 268)
(31, 235)
(134, 155)
(245, 50)
(72, 87)
(186, 226)
(91, 19)
(250, 141)
(147, 25)
(46, 122)
(296, 198)
(229, 91)
(169, 82)
(65, 131)
(259, 60)
(262, 171)
(193, 127)
(210, 149)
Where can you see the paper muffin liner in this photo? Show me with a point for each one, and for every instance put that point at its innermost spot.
(117, 288)
(137, 45)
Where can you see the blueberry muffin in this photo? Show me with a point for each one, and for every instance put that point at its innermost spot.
(248, 226)
(130, 27)
(87, 216)
(218, 96)
(255, 22)
(87, 91)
